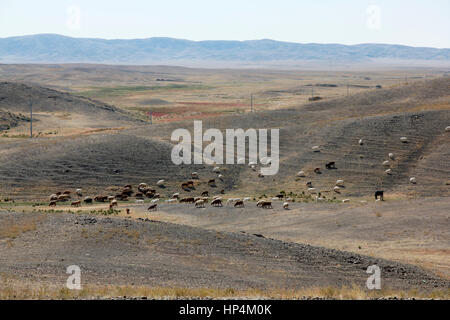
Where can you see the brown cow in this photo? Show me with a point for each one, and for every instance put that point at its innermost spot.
(205, 194)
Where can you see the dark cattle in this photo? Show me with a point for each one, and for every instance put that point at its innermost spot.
(205, 193)
(379, 194)
(52, 204)
(212, 182)
(267, 205)
(187, 200)
(153, 207)
(309, 184)
(317, 170)
(101, 198)
(87, 200)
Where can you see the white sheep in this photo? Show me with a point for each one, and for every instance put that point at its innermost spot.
(447, 129)
(220, 176)
(289, 199)
(413, 180)
(388, 171)
(200, 204)
(142, 185)
(316, 149)
(404, 139)
(139, 201)
(286, 206)
(276, 199)
(171, 201)
(346, 201)
(216, 170)
(361, 142)
(301, 174)
(340, 183)
(337, 189)
(160, 183)
(194, 175)
(391, 156)
(155, 200)
(312, 190)
(79, 192)
(386, 163)
(246, 199)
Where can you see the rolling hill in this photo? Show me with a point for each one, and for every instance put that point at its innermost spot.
(52, 48)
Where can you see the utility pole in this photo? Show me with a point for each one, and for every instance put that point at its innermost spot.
(31, 117)
(251, 102)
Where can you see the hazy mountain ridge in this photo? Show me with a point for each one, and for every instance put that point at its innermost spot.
(52, 48)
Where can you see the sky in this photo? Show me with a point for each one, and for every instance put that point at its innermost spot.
(420, 23)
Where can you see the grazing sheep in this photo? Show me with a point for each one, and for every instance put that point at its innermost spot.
(200, 204)
(110, 198)
(139, 195)
(289, 200)
(79, 192)
(142, 185)
(212, 182)
(101, 198)
(391, 156)
(388, 172)
(76, 204)
(260, 203)
(239, 204)
(194, 175)
(447, 129)
(113, 204)
(155, 200)
(330, 165)
(220, 176)
(67, 192)
(140, 201)
(153, 207)
(404, 139)
(317, 171)
(171, 201)
(63, 197)
(216, 170)
(340, 183)
(160, 183)
(176, 196)
(187, 200)
(286, 206)
(222, 191)
(386, 163)
(246, 199)
(88, 200)
(217, 203)
(312, 190)
(205, 194)
(53, 197)
(413, 180)
(316, 149)
(52, 204)
(301, 174)
(267, 205)
(276, 199)
(337, 189)
(309, 184)
(346, 201)
(361, 142)
(379, 194)
(253, 168)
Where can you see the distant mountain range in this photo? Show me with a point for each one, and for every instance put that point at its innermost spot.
(52, 48)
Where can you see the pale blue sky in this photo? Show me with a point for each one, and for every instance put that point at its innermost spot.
(409, 22)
